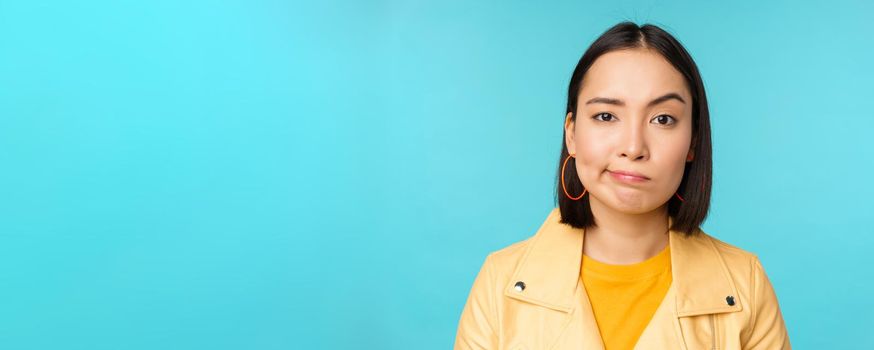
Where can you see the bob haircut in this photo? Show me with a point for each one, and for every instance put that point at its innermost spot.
(686, 215)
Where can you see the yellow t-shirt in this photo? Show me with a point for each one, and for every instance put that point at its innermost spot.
(624, 297)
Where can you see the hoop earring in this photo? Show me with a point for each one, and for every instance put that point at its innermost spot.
(681, 198)
(563, 187)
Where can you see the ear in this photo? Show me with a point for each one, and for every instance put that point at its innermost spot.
(691, 155)
(569, 133)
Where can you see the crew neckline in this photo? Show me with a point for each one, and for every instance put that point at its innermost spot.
(652, 266)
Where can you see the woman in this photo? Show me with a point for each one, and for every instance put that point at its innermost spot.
(622, 263)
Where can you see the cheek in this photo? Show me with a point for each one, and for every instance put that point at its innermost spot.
(673, 164)
(591, 157)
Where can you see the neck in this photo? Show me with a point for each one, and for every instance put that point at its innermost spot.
(623, 238)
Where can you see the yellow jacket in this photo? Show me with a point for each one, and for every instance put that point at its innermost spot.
(552, 310)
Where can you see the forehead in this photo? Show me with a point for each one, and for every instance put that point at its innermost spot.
(633, 75)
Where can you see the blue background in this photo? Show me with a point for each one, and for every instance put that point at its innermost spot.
(275, 175)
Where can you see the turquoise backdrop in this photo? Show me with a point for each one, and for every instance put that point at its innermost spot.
(331, 174)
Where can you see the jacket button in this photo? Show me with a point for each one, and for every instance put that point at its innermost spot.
(730, 300)
(520, 286)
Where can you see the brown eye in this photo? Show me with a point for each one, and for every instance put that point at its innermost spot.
(665, 119)
(599, 116)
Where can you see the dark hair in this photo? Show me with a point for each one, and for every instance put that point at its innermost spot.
(686, 215)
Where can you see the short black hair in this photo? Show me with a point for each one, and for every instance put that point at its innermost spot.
(686, 215)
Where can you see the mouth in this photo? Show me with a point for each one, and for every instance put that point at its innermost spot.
(628, 176)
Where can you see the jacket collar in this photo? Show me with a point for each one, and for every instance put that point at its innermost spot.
(550, 269)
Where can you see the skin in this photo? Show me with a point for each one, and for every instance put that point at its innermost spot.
(655, 140)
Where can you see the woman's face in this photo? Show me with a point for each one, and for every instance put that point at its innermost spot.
(630, 118)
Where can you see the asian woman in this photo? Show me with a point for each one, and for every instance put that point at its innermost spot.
(621, 262)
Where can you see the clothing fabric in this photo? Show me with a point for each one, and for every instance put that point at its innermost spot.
(624, 297)
(529, 295)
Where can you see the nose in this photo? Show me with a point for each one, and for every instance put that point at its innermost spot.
(634, 145)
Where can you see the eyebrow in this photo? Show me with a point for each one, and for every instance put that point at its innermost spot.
(618, 102)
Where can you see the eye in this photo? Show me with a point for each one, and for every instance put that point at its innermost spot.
(607, 115)
(665, 119)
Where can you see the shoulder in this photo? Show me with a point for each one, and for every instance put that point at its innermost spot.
(735, 258)
(503, 261)
(764, 323)
(745, 269)
(728, 249)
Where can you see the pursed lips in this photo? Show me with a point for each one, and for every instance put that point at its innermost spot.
(628, 175)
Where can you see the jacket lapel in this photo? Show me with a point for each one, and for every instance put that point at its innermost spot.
(550, 270)
(550, 266)
(702, 279)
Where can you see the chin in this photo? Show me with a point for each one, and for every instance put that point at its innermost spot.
(632, 204)
(633, 210)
